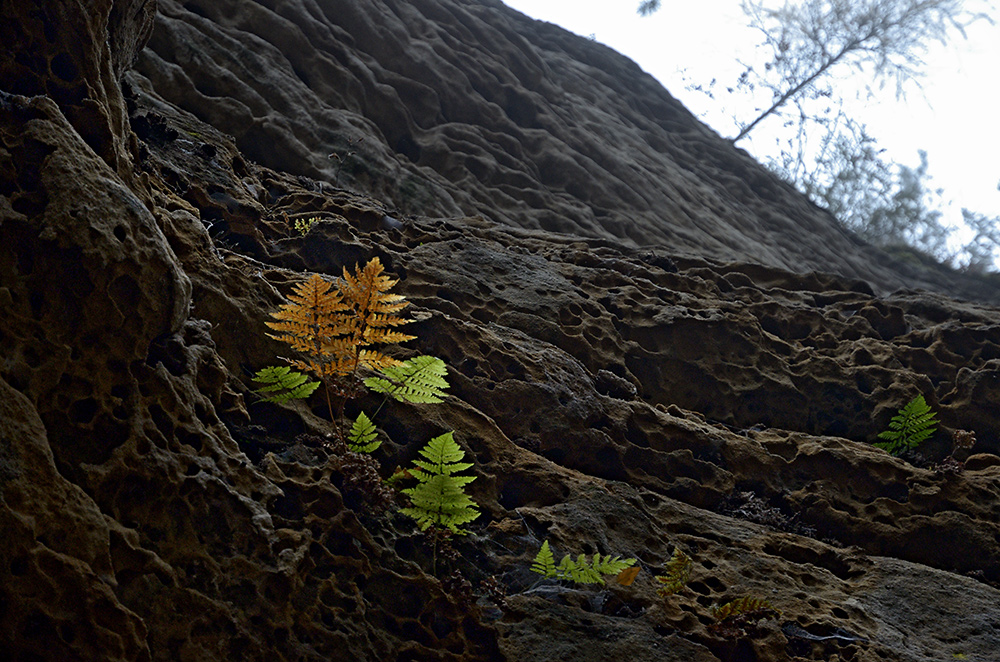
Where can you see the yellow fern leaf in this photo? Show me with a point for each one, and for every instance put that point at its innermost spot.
(315, 297)
(343, 348)
(325, 369)
(383, 336)
(369, 279)
(678, 573)
(314, 315)
(369, 358)
(756, 608)
(382, 319)
(368, 292)
(330, 326)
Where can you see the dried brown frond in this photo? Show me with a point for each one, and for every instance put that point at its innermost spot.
(494, 591)
(963, 439)
(678, 573)
(312, 319)
(333, 328)
(374, 312)
(460, 589)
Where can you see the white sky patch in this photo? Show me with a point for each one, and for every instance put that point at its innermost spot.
(955, 117)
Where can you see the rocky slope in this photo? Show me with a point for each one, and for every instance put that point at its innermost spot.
(613, 399)
(465, 107)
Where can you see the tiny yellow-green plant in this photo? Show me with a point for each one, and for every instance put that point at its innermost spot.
(304, 225)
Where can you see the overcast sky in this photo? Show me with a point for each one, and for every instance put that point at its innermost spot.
(955, 118)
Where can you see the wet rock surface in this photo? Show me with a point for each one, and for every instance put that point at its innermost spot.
(613, 399)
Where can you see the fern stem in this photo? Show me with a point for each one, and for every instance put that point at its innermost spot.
(337, 421)
(381, 404)
(340, 422)
(329, 406)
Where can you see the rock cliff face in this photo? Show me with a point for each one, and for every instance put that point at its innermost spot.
(465, 107)
(675, 368)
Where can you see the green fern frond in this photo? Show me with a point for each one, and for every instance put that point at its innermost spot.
(678, 573)
(579, 571)
(441, 456)
(439, 498)
(611, 566)
(913, 425)
(363, 438)
(442, 503)
(544, 563)
(283, 384)
(419, 380)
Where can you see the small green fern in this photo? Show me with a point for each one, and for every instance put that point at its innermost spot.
(609, 565)
(283, 384)
(363, 438)
(418, 380)
(909, 428)
(579, 571)
(678, 573)
(439, 498)
(544, 563)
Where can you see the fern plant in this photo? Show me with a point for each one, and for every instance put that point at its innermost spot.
(914, 424)
(333, 329)
(282, 384)
(418, 380)
(578, 571)
(439, 499)
(362, 437)
(678, 573)
(745, 605)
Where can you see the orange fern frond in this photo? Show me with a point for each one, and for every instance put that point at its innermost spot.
(375, 312)
(332, 329)
(374, 335)
(330, 325)
(314, 316)
(333, 367)
(368, 291)
(369, 358)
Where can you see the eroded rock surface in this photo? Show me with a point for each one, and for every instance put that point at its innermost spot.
(465, 107)
(613, 400)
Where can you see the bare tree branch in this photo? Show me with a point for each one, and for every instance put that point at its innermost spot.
(885, 39)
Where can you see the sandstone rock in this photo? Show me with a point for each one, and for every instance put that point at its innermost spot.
(612, 400)
(75, 53)
(59, 554)
(459, 107)
(982, 461)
